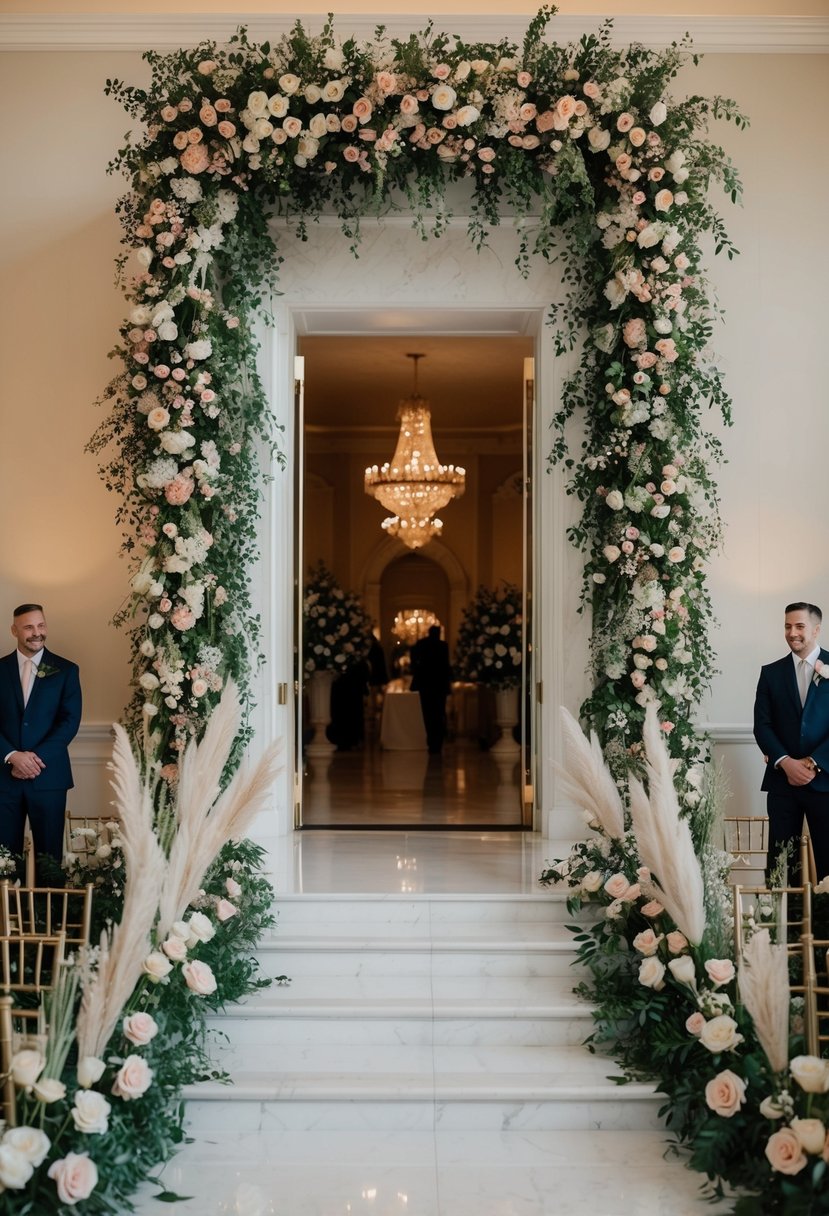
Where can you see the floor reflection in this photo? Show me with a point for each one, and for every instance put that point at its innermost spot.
(464, 787)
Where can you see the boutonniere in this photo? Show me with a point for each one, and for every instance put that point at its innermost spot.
(821, 672)
(45, 670)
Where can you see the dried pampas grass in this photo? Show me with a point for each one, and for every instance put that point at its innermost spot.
(205, 823)
(764, 989)
(664, 838)
(586, 779)
(123, 951)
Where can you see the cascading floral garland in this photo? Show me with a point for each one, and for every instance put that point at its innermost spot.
(585, 139)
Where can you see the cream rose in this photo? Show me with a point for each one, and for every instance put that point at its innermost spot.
(27, 1066)
(615, 500)
(444, 97)
(156, 966)
(720, 1034)
(652, 973)
(785, 1152)
(140, 1028)
(811, 1133)
(90, 1071)
(811, 1074)
(200, 929)
(683, 970)
(199, 978)
(592, 881)
(133, 1079)
(770, 1108)
(76, 1177)
(30, 1141)
(49, 1089)
(15, 1168)
(726, 1093)
(90, 1114)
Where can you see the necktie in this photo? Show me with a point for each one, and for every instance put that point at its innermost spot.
(26, 681)
(803, 679)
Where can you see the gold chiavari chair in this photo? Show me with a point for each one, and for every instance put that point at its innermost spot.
(46, 912)
(82, 833)
(29, 966)
(746, 838)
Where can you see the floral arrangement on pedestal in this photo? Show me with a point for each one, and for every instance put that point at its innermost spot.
(336, 631)
(490, 645)
(723, 1042)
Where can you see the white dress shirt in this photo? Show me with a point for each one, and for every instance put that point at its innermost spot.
(811, 659)
(21, 663)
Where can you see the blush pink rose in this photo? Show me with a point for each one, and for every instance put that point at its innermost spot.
(225, 909)
(635, 333)
(545, 121)
(133, 1079)
(75, 1175)
(725, 1093)
(565, 107)
(199, 978)
(362, 109)
(182, 618)
(178, 490)
(720, 971)
(195, 158)
(226, 128)
(677, 942)
(232, 887)
(652, 909)
(351, 154)
(408, 104)
(647, 942)
(140, 1029)
(694, 1024)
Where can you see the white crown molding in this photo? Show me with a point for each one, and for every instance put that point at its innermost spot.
(727, 732)
(166, 31)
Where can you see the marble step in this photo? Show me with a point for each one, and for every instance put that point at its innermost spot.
(458, 1087)
(403, 914)
(442, 1173)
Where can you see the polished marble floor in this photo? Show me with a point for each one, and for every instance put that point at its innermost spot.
(361, 1171)
(370, 787)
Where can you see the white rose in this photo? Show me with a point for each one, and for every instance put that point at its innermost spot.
(720, 1034)
(649, 236)
(289, 83)
(683, 970)
(612, 552)
(15, 1168)
(658, 114)
(615, 500)
(90, 1071)
(179, 928)
(333, 59)
(770, 1108)
(175, 948)
(598, 139)
(30, 1141)
(200, 349)
(90, 1113)
(317, 126)
(201, 929)
(176, 442)
(258, 102)
(148, 681)
(168, 331)
(592, 882)
(467, 115)
(140, 315)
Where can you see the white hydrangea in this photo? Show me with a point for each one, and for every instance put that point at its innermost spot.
(188, 189)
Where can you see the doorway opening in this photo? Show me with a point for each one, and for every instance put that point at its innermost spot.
(380, 773)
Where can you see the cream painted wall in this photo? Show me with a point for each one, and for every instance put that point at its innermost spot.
(606, 8)
(59, 314)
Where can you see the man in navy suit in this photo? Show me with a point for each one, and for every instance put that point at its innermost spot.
(40, 712)
(791, 726)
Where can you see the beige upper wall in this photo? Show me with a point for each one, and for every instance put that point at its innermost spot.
(607, 8)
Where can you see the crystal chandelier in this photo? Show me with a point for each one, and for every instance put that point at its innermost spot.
(412, 624)
(415, 485)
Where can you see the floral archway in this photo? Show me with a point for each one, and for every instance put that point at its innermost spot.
(616, 175)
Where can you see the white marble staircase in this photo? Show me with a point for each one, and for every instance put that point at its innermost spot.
(416, 1012)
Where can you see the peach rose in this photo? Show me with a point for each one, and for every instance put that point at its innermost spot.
(226, 128)
(652, 909)
(720, 970)
(677, 942)
(647, 942)
(726, 1093)
(194, 159)
(720, 1034)
(616, 886)
(663, 200)
(75, 1175)
(785, 1153)
(636, 136)
(565, 107)
(133, 1079)
(634, 333)
(362, 109)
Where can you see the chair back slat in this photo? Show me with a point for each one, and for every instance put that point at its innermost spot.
(46, 912)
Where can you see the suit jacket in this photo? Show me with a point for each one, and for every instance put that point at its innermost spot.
(782, 727)
(431, 670)
(48, 723)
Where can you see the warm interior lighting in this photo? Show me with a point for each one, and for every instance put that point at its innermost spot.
(414, 486)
